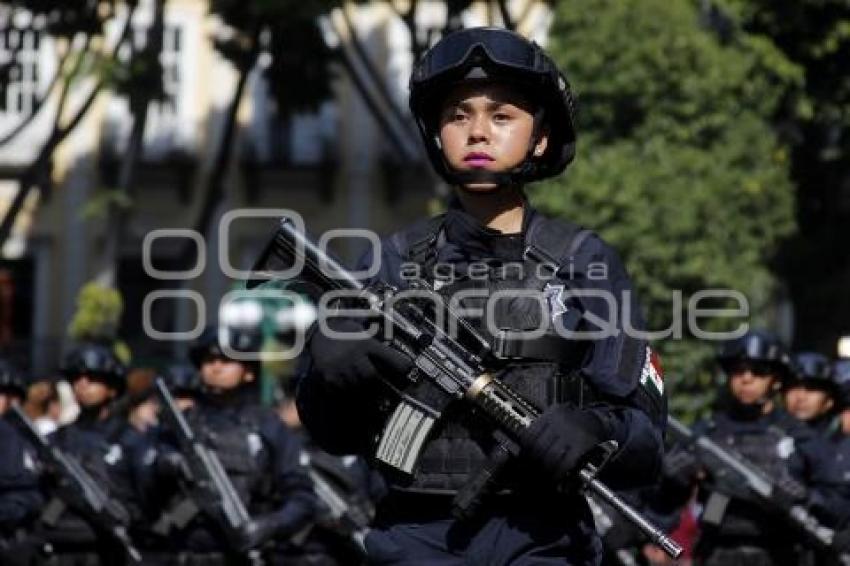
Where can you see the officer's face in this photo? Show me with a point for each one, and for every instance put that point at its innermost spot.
(751, 385)
(91, 392)
(806, 403)
(145, 415)
(223, 374)
(487, 127)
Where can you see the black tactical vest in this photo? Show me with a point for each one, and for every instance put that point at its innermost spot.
(542, 370)
(768, 448)
(240, 448)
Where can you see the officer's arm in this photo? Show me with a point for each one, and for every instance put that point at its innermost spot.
(20, 498)
(343, 420)
(292, 483)
(829, 501)
(620, 367)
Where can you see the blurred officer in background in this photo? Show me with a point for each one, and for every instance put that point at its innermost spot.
(97, 439)
(810, 394)
(736, 528)
(830, 478)
(20, 497)
(333, 538)
(13, 388)
(259, 455)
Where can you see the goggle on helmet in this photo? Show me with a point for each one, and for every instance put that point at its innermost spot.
(495, 54)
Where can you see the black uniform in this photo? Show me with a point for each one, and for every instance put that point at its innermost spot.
(101, 446)
(743, 530)
(263, 461)
(21, 499)
(608, 378)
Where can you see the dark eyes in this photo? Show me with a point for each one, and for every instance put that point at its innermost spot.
(498, 117)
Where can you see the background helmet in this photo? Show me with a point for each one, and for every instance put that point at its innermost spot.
(495, 54)
(182, 379)
(96, 360)
(841, 378)
(756, 346)
(811, 368)
(210, 344)
(11, 380)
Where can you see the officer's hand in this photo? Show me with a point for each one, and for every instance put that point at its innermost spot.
(681, 467)
(258, 531)
(789, 492)
(841, 542)
(173, 465)
(348, 362)
(561, 437)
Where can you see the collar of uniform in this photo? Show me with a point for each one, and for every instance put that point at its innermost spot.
(477, 241)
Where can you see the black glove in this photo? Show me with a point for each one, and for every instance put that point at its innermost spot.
(841, 542)
(789, 492)
(257, 531)
(173, 465)
(561, 437)
(681, 467)
(349, 363)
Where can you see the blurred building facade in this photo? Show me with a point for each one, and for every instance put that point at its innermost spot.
(336, 167)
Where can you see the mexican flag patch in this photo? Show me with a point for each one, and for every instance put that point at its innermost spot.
(652, 375)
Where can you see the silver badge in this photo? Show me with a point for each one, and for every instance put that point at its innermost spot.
(554, 295)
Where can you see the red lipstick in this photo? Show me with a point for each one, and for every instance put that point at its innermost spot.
(478, 159)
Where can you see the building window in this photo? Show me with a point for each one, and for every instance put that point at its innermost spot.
(170, 61)
(19, 49)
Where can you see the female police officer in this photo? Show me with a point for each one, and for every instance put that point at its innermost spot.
(494, 113)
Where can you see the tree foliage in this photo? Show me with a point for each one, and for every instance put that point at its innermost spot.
(814, 34)
(97, 318)
(678, 166)
(288, 31)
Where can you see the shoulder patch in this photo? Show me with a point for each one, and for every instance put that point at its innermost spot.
(652, 375)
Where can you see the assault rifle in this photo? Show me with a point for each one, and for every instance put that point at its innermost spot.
(211, 490)
(79, 491)
(721, 462)
(347, 511)
(447, 369)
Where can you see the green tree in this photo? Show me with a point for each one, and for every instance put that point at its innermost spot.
(65, 21)
(814, 34)
(97, 318)
(678, 166)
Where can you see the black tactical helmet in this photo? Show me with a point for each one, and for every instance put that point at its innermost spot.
(96, 360)
(209, 344)
(841, 378)
(756, 346)
(495, 54)
(182, 379)
(11, 380)
(812, 368)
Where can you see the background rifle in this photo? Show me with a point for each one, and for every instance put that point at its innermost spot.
(211, 489)
(720, 461)
(78, 490)
(446, 370)
(348, 512)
